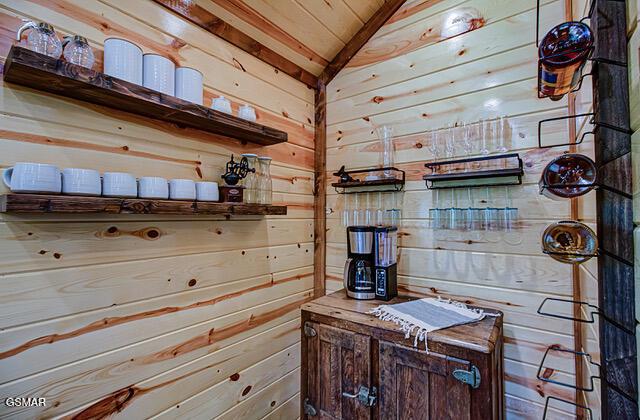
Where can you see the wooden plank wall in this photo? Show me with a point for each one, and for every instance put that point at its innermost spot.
(416, 78)
(137, 316)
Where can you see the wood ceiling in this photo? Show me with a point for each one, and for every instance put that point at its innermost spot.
(308, 33)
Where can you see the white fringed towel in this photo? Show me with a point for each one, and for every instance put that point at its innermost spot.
(422, 316)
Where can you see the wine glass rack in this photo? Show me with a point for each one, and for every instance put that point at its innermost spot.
(552, 398)
(349, 184)
(455, 173)
(612, 144)
(588, 50)
(542, 369)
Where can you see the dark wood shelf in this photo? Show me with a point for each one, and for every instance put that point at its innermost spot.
(28, 68)
(39, 204)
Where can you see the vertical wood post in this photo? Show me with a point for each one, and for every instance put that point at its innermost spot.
(319, 191)
(615, 212)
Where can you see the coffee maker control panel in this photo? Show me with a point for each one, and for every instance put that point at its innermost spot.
(381, 282)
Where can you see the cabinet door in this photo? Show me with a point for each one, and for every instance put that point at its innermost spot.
(337, 361)
(418, 385)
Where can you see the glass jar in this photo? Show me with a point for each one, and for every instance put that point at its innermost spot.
(250, 182)
(78, 51)
(265, 184)
(42, 38)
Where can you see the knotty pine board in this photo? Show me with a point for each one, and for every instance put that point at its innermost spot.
(113, 372)
(33, 350)
(30, 246)
(170, 388)
(180, 317)
(433, 29)
(497, 37)
(55, 293)
(260, 29)
(417, 81)
(247, 389)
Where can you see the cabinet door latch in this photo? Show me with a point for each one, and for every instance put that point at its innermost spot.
(365, 396)
(308, 330)
(309, 410)
(470, 377)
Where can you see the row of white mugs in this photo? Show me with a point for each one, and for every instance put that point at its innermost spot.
(41, 178)
(125, 60)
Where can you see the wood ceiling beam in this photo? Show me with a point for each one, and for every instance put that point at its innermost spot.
(208, 21)
(359, 39)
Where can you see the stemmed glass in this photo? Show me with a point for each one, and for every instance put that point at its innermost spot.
(434, 145)
(483, 136)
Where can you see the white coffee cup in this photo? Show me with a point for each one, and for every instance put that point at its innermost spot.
(119, 184)
(182, 189)
(153, 187)
(189, 85)
(123, 59)
(76, 181)
(158, 73)
(35, 178)
(207, 191)
(247, 112)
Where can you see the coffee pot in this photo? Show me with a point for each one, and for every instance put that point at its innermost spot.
(42, 38)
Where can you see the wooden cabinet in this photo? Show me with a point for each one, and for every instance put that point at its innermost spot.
(355, 366)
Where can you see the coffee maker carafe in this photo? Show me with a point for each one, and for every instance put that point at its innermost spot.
(359, 267)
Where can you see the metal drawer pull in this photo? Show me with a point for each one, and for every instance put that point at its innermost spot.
(365, 396)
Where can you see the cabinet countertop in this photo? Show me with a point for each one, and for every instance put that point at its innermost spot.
(478, 336)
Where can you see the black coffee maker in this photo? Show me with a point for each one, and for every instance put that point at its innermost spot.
(370, 269)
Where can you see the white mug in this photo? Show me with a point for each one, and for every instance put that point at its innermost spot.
(123, 59)
(76, 181)
(189, 85)
(153, 187)
(207, 191)
(247, 112)
(119, 184)
(36, 178)
(158, 73)
(182, 189)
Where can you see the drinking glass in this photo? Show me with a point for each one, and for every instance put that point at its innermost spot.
(467, 145)
(502, 132)
(346, 212)
(379, 210)
(484, 149)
